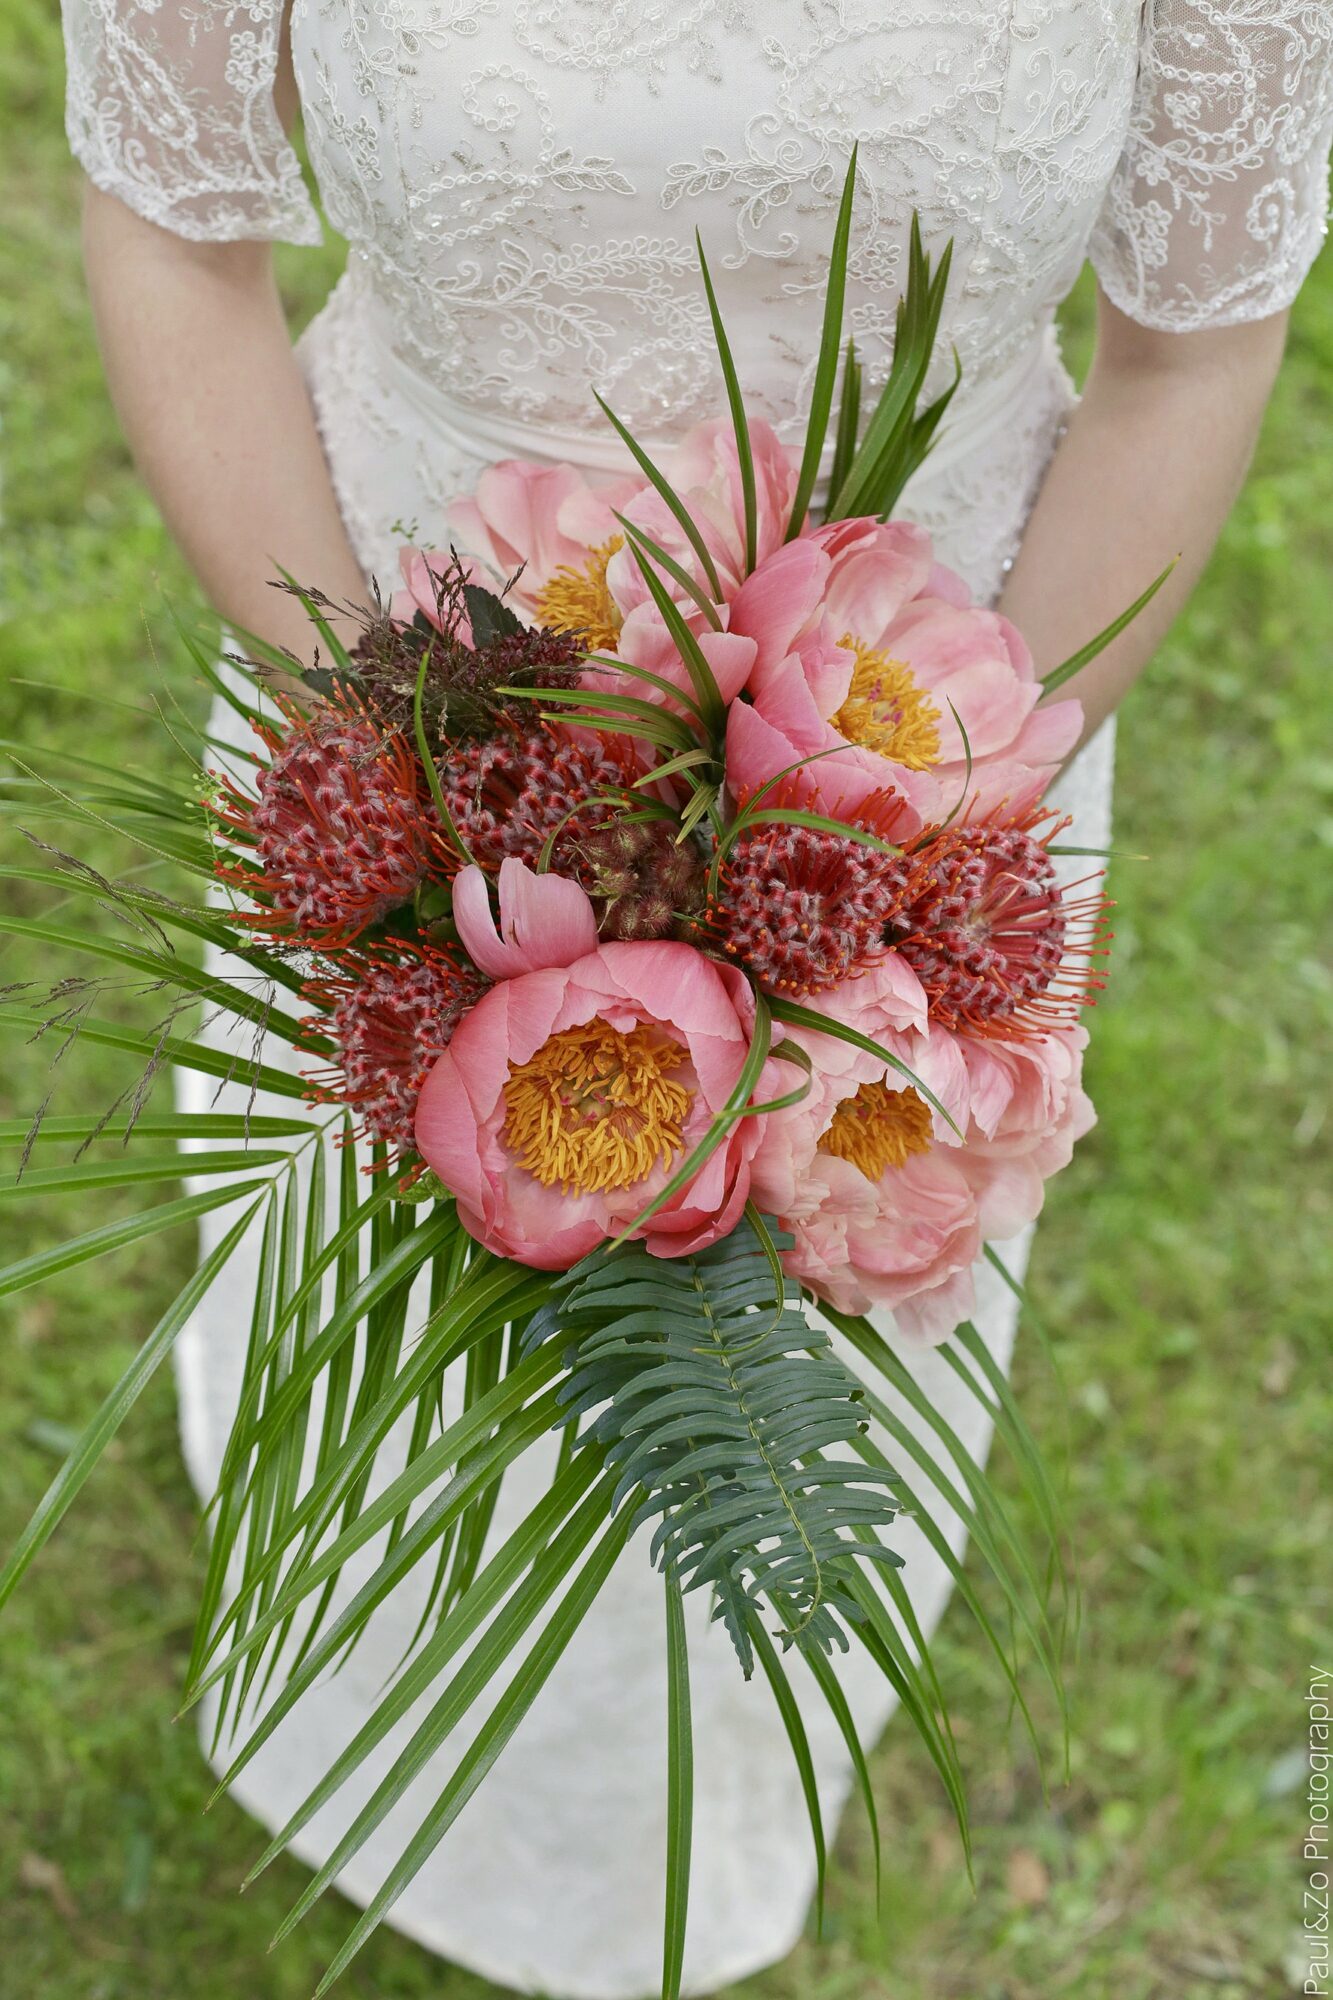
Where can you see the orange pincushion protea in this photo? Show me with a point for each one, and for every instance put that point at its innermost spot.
(342, 825)
(392, 1014)
(802, 908)
(982, 919)
(509, 793)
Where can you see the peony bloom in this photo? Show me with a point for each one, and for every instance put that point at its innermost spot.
(888, 1217)
(885, 1004)
(801, 679)
(864, 642)
(888, 1202)
(568, 1097)
(1028, 1110)
(579, 577)
(880, 1211)
(548, 522)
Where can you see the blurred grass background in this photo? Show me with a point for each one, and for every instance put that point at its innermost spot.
(1186, 1260)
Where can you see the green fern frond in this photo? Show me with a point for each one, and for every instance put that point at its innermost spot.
(715, 1401)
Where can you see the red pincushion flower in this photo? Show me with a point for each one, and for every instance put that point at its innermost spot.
(982, 919)
(508, 794)
(343, 826)
(392, 1016)
(801, 908)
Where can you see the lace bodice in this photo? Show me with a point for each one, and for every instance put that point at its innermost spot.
(520, 180)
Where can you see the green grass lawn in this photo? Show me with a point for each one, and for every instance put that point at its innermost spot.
(1186, 1261)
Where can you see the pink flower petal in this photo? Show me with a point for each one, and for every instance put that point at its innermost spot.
(545, 920)
(774, 604)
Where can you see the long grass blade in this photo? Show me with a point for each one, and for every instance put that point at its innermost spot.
(691, 652)
(44, 1264)
(789, 1709)
(1077, 661)
(78, 1177)
(487, 1745)
(680, 1790)
(736, 404)
(662, 486)
(522, 1549)
(178, 1050)
(849, 421)
(826, 366)
(679, 575)
(99, 1433)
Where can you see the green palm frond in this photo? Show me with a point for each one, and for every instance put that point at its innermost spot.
(715, 1402)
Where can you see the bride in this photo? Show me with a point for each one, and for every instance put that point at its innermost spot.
(519, 182)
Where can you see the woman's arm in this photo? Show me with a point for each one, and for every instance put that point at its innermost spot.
(201, 370)
(1150, 465)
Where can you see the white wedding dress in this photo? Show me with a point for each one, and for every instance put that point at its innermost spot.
(520, 182)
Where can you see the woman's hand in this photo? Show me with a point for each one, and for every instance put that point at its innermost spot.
(200, 366)
(1149, 468)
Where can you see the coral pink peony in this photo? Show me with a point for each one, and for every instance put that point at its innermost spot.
(907, 1241)
(881, 1213)
(1028, 1110)
(887, 1006)
(568, 1098)
(864, 642)
(889, 1203)
(801, 679)
(549, 522)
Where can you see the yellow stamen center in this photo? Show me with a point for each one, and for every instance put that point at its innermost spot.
(597, 1109)
(878, 1128)
(577, 600)
(886, 711)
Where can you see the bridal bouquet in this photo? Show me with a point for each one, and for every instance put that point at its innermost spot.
(662, 904)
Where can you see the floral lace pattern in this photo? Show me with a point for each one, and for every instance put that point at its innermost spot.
(525, 206)
(522, 179)
(1219, 202)
(171, 108)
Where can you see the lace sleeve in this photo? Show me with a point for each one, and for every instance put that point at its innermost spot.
(169, 106)
(1220, 201)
